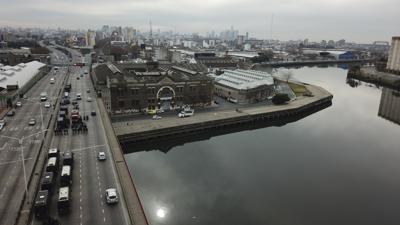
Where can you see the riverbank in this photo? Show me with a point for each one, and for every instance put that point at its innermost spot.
(143, 129)
(371, 75)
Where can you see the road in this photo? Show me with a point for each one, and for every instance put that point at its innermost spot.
(90, 177)
(11, 173)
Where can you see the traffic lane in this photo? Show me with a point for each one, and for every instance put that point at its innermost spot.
(16, 196)
(106, 174)
(16, 184)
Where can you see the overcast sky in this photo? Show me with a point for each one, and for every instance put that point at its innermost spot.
(354, 20)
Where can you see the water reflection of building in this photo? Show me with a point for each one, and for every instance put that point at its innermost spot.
(389, 107)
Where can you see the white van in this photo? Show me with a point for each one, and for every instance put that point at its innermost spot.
(43, 96)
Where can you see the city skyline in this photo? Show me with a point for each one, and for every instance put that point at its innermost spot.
(283, 20)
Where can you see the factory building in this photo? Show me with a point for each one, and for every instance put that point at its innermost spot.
(244, 86)
(393, 64)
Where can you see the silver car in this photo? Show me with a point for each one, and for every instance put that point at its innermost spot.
(111, 196)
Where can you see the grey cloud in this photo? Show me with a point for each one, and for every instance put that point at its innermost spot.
(358, 20)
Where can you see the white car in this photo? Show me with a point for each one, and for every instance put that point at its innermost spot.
(111, 196)
(186, 113)
(89, 99)
(157, 117)
(101, 156)
(19, 104)
(2, 124)
(47, 105)
(32, 122)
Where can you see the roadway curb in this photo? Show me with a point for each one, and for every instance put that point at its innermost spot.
(131, 198)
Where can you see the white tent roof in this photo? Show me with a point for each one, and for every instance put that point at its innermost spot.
(19, 74)
(244, 79)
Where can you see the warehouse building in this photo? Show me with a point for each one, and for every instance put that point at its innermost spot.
(15, 81)
(244, 86)
(138, 87)
(393, 64)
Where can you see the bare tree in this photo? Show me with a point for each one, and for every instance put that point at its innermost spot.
(286, 75)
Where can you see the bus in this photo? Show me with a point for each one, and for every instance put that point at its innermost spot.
(52, 165)
(47, 181)
(42, 204)
(64, 200)
(53, 152)
(66, 176)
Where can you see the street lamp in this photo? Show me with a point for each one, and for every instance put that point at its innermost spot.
(20, 140)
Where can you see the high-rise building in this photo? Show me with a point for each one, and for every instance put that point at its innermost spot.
(91, 38)
(393, 64)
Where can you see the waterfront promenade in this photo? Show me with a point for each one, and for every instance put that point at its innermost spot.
(146, 128)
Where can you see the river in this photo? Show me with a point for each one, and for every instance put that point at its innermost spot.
(340, 165)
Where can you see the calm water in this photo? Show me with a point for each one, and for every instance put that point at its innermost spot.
(340, 165)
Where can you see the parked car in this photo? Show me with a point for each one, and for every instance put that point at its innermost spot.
(111, 196)
(19, 104)
(89, 99)
(157, 117)
(93, 113)
(101, 156)
(186, 113)
(10, 113)
(2, 124)
(47, 104)
(32, 122)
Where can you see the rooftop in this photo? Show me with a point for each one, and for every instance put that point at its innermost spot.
(244, 79)
(19, 74)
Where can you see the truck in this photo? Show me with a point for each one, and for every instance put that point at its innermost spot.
(77, 124)
(67, 87)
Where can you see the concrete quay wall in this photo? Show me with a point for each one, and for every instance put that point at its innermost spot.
(140, 130)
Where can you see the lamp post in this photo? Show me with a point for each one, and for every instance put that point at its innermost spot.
(21, 147)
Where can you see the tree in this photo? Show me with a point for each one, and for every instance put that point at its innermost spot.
(286, 75)
(280, 98)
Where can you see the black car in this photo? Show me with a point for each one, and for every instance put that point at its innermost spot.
(93, 113)
(11, 113)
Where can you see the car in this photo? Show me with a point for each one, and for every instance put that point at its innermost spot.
(93, 113)
(89, 99)
(77, 78)
(74, 102)
(2, 124)
(18, 104)
(78, 96)
(32, 122)
(157, 117)
(101, 156)
(10, 113)
(52, 80)
(88, 91)
(47, 104)
(186, 113)
(111, 196)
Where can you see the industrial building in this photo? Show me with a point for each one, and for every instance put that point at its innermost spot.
(244, 86)
(335, 54)
(139, 87)
(393, 64)
(389, 106)
(16, 80)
